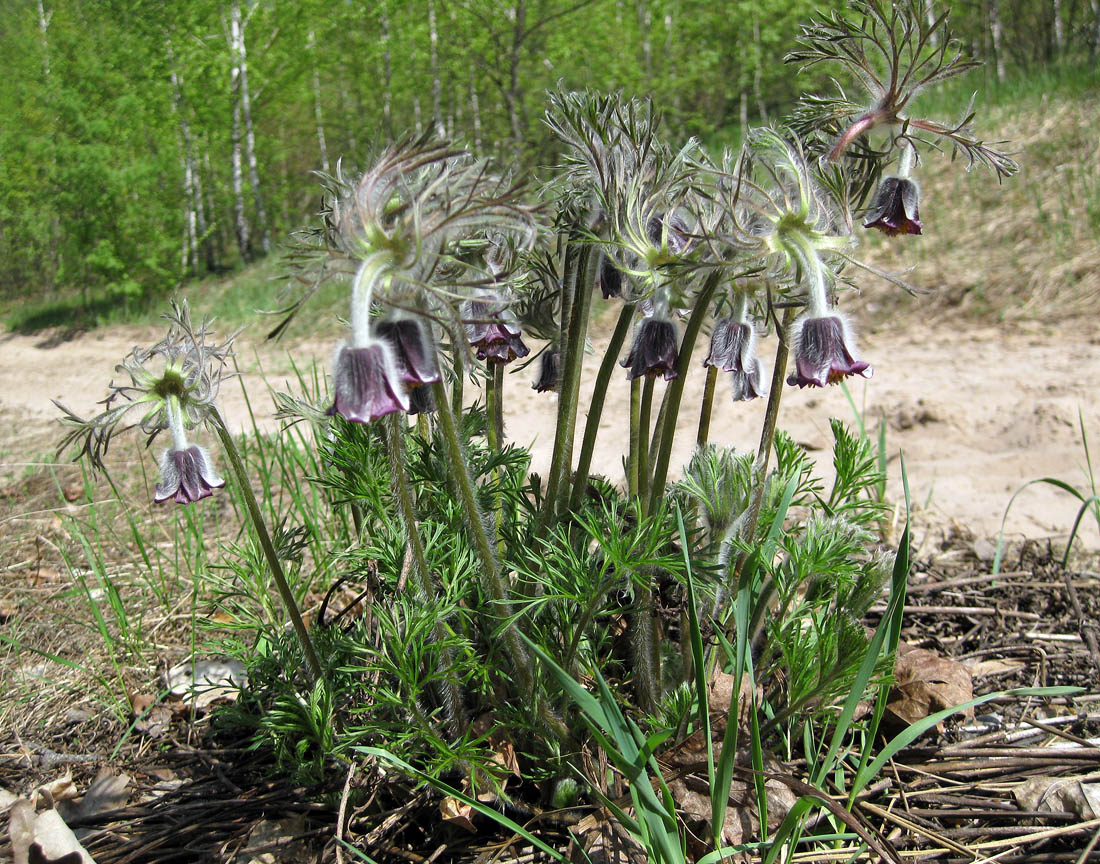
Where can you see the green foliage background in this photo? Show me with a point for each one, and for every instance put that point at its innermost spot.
(94, 133)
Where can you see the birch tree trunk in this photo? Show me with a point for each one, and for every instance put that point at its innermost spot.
(387, 74)
(997, 33)
(1059, 27)
(930, 12)
(514, 95)
(189, 254)
(318, 116)
(433, 60)
(645, 23)
(240, 218)
(250, 138)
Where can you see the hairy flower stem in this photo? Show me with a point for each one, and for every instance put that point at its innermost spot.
(645, 409)
(595, 409)
(494, 404)
(493, 582)
(573, 359)
(635, 431)
(706, 408)
(450, 695)
(767, 434)
(645, 642)
(459, 358)
(676, 387)
(252, 505)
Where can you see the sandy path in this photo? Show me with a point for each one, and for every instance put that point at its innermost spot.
(976, 413)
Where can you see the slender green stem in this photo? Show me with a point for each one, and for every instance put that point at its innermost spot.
(399, 480)
(458, 357)
(498, 409)
(634, 436)
(595, 408)
(493, 583)
(573, 360)
(657, 428)
(676, 387)
(644, 410)
(771, 417)
(475, 523)
(264, 538)
(705, 410)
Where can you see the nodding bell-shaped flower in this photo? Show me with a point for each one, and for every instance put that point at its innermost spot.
(549, 371)
(609, 279)
(492, 330)
(733, 350)
(368, 382)
(821, 351)
(654, 351)
(186, 475)
(894, 210)
(414, 350)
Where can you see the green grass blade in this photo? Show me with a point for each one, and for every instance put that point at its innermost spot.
(480, 807)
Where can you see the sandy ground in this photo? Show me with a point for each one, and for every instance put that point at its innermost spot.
(977, 411)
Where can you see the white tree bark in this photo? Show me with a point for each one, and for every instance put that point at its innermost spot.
(322, 146)
(1059, 27)
(997, 33)
(930, 13)
(387, 74)
(250, 138)
(189, 254)
(240, 218)
(433, 59)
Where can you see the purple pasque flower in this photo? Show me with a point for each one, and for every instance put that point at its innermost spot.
(187, 475)
(549, 370)
(821, 352)
(894, 210)
(654, 351)
(733, 350)
(493, 331)
(368, 382)
(414, 349)
(610, 279)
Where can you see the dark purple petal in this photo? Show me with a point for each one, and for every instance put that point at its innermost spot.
(822, 356)
(746, 383)
(654, 351)
(894, 210)
(368, 384)
(495, 337)
(549, 371)
(186, 476)
(414, 349)
(610, 279)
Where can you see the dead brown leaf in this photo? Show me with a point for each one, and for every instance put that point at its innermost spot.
(1059, 795)
(924, 683)
(457, 813)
